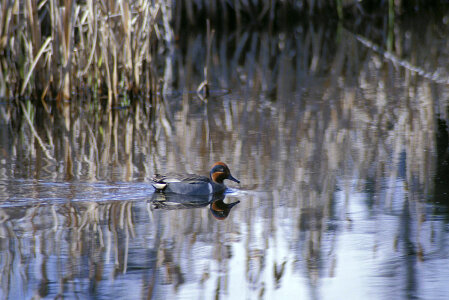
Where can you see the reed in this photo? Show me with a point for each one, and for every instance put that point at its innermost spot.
(54, 50)
(203, 89)
(115, 50)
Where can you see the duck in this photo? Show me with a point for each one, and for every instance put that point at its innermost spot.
(192, 184)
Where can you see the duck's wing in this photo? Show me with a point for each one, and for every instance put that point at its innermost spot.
(193, 179)
(161, 181)
(184, 178)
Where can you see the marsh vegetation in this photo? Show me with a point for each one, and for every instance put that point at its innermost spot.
(337, 131)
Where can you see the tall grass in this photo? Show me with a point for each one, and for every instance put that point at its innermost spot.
(55, 49)
(115, 49)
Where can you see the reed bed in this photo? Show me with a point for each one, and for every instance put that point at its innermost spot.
(116, 50)
(60, 50)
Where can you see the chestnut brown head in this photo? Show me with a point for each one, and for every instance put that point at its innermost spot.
(220, 172)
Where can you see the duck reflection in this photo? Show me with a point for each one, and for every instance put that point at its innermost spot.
(218, 208)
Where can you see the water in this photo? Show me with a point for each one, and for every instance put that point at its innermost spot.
(340, 153)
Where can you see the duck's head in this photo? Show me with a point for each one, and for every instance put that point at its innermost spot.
(220, 172)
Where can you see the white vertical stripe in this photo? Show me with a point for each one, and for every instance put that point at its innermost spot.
(210, 188)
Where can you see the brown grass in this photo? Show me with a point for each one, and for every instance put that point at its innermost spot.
(58, 49)
(54, 50)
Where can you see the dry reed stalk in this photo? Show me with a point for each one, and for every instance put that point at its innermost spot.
(45, 48)
(35, 29)
(67, 39)
(203, 89)
(61, 47)
(5, 21)
(33, 130)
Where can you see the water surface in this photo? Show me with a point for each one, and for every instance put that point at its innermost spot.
(340, 149)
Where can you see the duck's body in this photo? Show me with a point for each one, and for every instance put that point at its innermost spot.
(187, 184)
(192, 184)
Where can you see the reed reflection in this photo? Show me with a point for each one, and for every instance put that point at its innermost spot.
(54, 249)
(83, 247)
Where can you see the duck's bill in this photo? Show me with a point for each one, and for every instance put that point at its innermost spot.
(233, 179)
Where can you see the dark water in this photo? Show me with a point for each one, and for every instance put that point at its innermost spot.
(340, 149)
